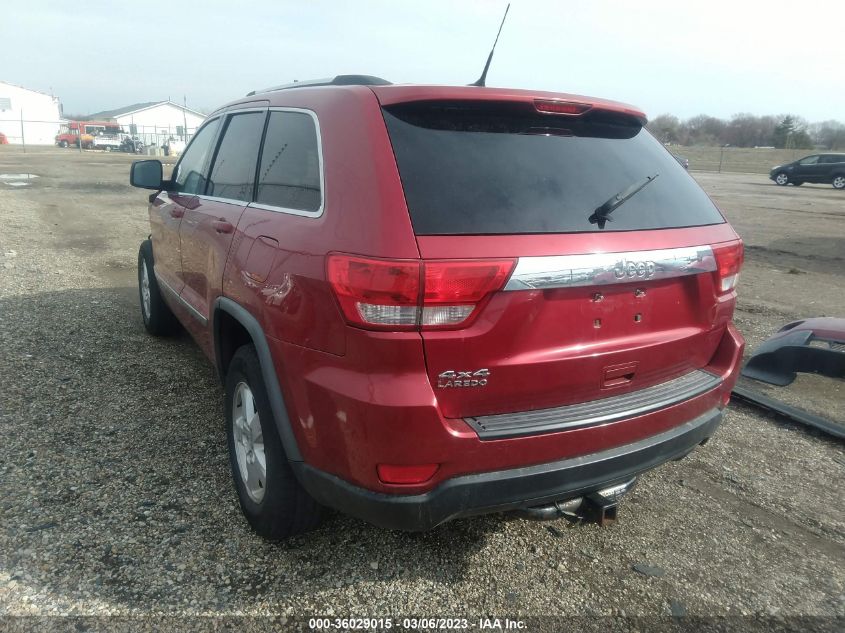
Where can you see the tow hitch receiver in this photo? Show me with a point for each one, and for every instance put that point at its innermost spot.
(599, 506)
(602, 505)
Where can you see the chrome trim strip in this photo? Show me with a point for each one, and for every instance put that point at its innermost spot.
(194, 312)
(241, 203)
(250, 108)
(307, 214)
(597, 269)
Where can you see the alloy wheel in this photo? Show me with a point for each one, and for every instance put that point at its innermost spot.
(839, 182)
(145, 291)
(781, 179)
(249, 442)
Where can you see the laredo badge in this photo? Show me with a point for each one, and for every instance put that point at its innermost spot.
(451, 378)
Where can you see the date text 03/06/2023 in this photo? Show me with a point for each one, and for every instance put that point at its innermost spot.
(414, 624)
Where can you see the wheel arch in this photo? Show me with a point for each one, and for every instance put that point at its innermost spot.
(232, 327)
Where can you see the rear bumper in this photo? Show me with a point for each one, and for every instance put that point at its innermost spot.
(510, 489)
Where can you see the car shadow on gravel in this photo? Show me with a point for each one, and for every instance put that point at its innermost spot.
(116, 486)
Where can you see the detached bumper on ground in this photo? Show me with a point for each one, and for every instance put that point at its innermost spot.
(508, 489)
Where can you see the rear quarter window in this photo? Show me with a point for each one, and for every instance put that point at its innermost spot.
(504, 168)
(289, 174)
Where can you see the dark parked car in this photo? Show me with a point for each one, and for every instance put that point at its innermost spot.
(428, 302)
(826, 168)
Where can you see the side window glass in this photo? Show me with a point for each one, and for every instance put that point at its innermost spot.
(289, 175)
(233, 172)
(810, 160)
(189, 173)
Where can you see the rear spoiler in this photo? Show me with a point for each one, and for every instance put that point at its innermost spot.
(551, 103)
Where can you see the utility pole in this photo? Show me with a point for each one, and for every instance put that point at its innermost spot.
(23, 137)
(184, 119)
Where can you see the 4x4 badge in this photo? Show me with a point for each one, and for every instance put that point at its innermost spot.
(451, 378)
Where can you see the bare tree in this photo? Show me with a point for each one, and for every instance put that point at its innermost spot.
(665, 127)
(828, 134)
(749, 130)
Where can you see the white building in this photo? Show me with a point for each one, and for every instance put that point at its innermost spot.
(154, 122)
(41, 114)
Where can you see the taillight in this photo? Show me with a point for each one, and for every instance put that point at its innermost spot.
(376, 292)
(410, 294)
(728, 264)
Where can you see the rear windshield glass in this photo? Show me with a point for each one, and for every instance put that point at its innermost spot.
(504, 168)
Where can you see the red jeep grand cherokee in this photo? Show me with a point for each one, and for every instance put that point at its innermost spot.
(428, 302)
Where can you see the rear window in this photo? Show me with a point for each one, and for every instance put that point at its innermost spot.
(504, 168)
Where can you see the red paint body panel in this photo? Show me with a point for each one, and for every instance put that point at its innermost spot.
(543, 347)
(295, 303)
(375, 405)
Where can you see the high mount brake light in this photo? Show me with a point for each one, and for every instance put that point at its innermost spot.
(728, 264)
(561, 107)
(406, 294)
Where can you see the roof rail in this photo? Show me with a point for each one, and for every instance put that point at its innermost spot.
(339, 80)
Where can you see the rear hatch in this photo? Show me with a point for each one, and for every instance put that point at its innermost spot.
(609, 263)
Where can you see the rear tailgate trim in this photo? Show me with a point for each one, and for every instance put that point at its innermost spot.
(595, 412)
(598, 269)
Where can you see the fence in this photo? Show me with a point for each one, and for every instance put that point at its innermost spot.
(738, 159)
(25, 132)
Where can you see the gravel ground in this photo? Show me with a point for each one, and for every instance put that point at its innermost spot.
(116, 492)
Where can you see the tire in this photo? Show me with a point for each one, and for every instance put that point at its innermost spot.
(158, 319)
(272, 500)
(838, 181)
(108, 148)
(63, 144)
(782, 179)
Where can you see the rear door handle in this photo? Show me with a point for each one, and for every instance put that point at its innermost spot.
(222, 226)
(177, 212)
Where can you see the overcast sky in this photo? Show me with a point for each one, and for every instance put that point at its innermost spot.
(683, 56)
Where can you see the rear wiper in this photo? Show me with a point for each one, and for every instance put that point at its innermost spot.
(602, 213)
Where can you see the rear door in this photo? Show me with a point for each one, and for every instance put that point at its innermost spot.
(832, 163)
(208, 226)
(168, 208)
(597, 303)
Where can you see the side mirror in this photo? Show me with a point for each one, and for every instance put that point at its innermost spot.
(146, 174)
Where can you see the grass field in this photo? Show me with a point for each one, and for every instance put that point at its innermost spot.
(737, 159)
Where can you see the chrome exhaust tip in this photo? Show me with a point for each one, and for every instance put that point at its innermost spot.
(552, 511)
